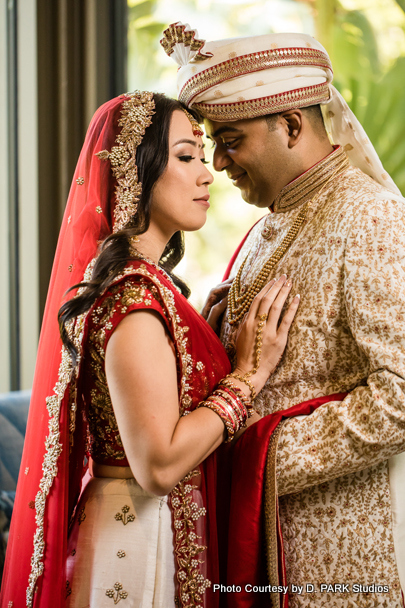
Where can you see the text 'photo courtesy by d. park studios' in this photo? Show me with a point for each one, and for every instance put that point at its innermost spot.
(303, 589)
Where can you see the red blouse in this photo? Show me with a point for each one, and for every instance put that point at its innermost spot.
(201, 359)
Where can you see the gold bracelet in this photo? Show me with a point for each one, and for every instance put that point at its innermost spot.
(229, 408)
(257, 354)
(245, 380)
(258, 341)
(244, 398)
(215, 407)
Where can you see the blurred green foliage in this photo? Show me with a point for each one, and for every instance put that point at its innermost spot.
(373, 88)
(144, 32)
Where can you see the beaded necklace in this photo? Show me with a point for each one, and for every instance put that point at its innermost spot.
(239, 300)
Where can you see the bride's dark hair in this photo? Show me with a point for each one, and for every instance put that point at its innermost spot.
(151, 158)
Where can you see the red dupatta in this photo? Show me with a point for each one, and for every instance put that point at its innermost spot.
(34, 568)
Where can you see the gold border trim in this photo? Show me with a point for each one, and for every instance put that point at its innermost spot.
(137, 109)
(253, 108)
(50, 470)
(305, 186)
(247, 64)
(53, 448)
(270, 515)
(187, 548)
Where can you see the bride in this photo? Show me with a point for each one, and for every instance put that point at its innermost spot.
(117, 492)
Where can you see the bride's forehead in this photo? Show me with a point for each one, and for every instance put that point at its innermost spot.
(180, 121)
(181, 131)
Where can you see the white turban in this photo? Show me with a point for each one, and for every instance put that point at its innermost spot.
(240, 78)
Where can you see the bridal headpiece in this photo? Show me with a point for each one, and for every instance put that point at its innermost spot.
(136, 115)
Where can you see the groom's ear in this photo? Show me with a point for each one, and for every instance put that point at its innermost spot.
(292, 123)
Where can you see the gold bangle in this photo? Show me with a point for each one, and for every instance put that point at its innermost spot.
(229, 407)
(219, 410)
(245, 380)
(239, 409)
(244, 398)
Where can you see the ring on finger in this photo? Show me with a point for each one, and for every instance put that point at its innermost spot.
(263, 317)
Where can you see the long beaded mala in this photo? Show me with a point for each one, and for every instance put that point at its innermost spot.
(240, 301)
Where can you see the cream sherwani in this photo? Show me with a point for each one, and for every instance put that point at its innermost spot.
(341, 471)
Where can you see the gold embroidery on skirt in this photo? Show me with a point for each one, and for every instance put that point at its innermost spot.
(117, 593)
(126, 519)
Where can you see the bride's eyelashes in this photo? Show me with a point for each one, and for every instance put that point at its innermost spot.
(185, 158)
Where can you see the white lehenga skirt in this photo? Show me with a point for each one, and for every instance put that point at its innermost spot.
(120, 548)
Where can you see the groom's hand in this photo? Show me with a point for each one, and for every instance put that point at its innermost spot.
(216, 304)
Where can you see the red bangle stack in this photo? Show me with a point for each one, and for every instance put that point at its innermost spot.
(231, 405)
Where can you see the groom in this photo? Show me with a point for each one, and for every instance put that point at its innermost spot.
(337, 227)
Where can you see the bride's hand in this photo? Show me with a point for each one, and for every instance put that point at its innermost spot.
(216, 304)
(267, 305)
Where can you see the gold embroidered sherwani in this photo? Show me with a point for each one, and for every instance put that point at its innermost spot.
(341, 509)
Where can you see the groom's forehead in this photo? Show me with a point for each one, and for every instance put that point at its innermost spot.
(215, 129)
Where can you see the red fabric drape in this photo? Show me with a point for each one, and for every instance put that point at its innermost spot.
(41, 505)
(246, 560)
(202, 363)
